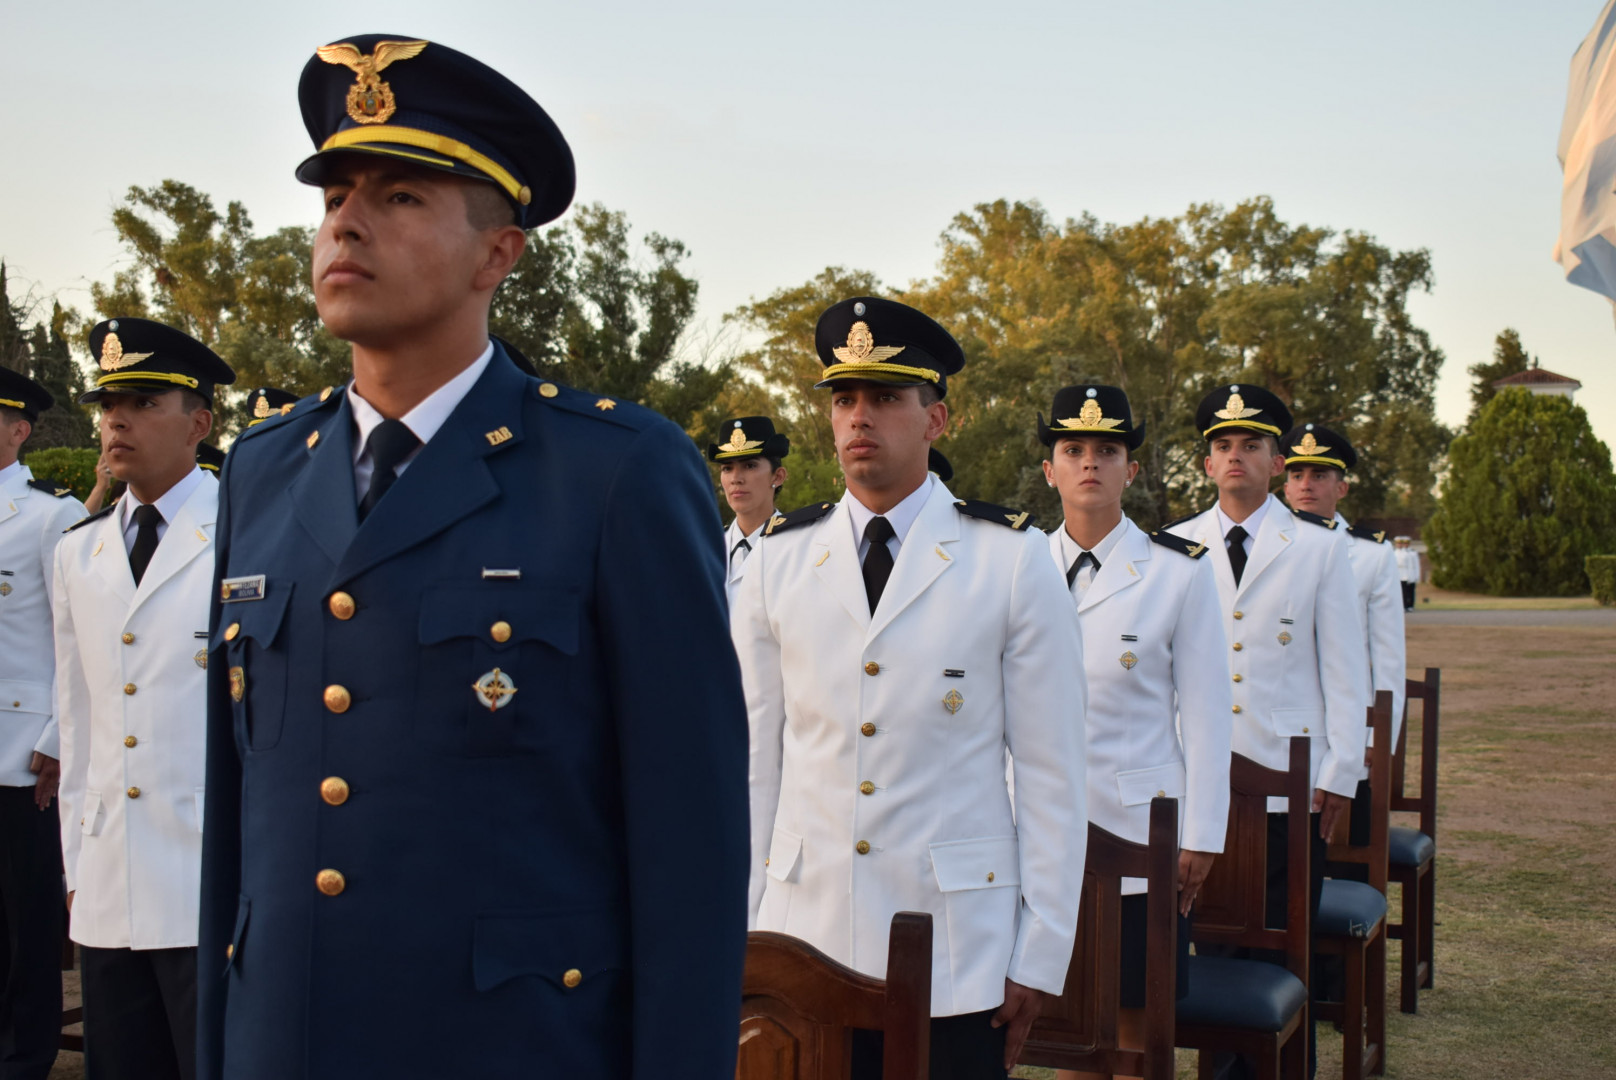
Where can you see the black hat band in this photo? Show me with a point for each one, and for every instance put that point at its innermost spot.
(426, 140)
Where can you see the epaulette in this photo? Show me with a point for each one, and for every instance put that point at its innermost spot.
(1002, 515)
(1180, 521)
(1364, 532)
(1314, 519)
(97, 516)
(1178, 544)
(599, 406)
(50, 489)
(329, 397)
(800, 516)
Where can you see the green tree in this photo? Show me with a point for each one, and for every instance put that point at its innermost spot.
(1509, 358)
(43, 355)
(1529, 495)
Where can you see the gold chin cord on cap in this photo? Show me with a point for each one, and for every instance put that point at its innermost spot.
(147, 376)
(427, 140)
(13, 404)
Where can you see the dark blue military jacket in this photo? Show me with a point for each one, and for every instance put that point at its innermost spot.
(552, 887)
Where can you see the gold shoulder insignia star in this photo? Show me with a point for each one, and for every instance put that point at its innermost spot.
(113, 358)
(605, 404)
(288, 407)
(1310, 447)
(1090, 416)
(1236, 409)
(370, 100)
(862, 349)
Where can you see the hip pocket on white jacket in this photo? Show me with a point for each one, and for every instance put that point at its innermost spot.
(993, 862)
(785, 855)
(1137, 786)
(1289, 722)
(94, 814)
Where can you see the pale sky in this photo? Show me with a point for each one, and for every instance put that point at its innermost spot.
(777, 139)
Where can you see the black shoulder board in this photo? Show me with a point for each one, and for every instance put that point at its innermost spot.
(1178, 544)
(800, 516)
(1180, 521)
(1363, 532)
(97, 516)
(50, 489)
(1003, 515)
(1314, 519)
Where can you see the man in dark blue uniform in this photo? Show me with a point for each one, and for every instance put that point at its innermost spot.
(476, 799)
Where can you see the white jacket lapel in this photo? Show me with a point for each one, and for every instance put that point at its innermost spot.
(835, 559)
(1274, 535)
(922, 557)
(1119, 570)
(187, 536)
(109, 558)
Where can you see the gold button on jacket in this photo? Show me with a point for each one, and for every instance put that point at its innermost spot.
(1238, 646)
(572, 978)
(1240, 614)
(231, 631)
(342, 606)
(129, 639)
(1239, 678)
(229, 952)
(129, 688)
(500, 631)
(129, 741)
(872, 668)
(134, 793)
(330, 882)
(862, 847)
(1237, 708)
(867, 728)
(334, 790)
(867, 788)
(337, 698)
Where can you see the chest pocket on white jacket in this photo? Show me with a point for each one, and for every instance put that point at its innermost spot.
(255, 669)
(493, 673)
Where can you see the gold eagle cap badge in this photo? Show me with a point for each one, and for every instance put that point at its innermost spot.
(370, 100)
(1236, 409)
(738, 442)
(113, 358)
(262, 410)
(1090, 416)
(1309, 447)
(862, 349)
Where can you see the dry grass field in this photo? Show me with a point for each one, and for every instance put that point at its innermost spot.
(1526, 897)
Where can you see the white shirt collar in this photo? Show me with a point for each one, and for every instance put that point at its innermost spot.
(427, 417)
(168, 504)
(1071, 549)
(902, 516)
(1251, 524)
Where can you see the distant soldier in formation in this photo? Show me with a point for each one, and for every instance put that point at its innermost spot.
(1408, 569)
(132, 591)
(895, 645)
(750, 474)
(33, 516)
(1156, 660)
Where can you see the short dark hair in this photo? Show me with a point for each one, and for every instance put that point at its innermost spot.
(929, 395)
(487, 207)
(191, 401)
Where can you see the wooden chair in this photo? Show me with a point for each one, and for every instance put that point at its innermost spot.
(1352, 918)
(799, 1007)
(1412, 852)
(1078, 1030)
(1252, 1007)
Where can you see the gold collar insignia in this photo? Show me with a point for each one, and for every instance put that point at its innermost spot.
(1236, 410)
(113, 358)
(862, 349)
(1310, 447)
(370, 100)
(738, 442)
(1090, 417)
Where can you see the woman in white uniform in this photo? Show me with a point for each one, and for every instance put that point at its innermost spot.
(1159, 713)
(750, 473)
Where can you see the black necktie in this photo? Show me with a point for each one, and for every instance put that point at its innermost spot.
(390, 443)
(1237, 551)
(878, 560)
(740, 545)
(1086, 557)
(146, 521)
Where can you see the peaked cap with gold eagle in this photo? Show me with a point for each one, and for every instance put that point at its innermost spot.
(749, 437)
(1242, 407)
(424, 103)
(1315, 444)
(1090, 409)
(874, 340)
(268, 401)
(139, 356)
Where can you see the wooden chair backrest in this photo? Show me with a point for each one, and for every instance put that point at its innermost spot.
(1078, 1030)
(799, 1007)
(1428, 692)
(1372, 856)
(1232, 906)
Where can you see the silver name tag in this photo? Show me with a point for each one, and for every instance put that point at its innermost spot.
(235, 589)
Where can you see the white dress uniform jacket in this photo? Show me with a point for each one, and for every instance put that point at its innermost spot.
(1159, 693)
(1408, 564)
(31, 523)
(1380, 594)
(737, 560)
(131, 669)
(1296, 643)
(878, 749)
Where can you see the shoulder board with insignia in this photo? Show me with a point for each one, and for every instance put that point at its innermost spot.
(621, 413)
(1180, 521)
(50, 489)
(1178, 544)
(1314, 519)
(800, 516)
(1363, 532)
(97, 516)
(1018, 520)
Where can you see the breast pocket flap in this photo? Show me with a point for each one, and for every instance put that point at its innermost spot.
(258, 621)
(502, 616)
(1138, 786)
(990, 863)
(785, 852)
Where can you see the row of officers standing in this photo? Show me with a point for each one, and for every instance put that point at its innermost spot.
(425, 742)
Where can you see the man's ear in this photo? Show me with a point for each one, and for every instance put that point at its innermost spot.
(504, 249)
(936, 420)
(201, 425)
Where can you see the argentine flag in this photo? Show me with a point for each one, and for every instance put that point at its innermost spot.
(1586, 248)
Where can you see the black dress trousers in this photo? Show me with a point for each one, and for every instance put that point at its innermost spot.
(139, 1013)
(31, 911)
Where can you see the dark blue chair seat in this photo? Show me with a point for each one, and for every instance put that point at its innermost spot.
(1240, 993)
(1349, 909)
(1409, 847)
